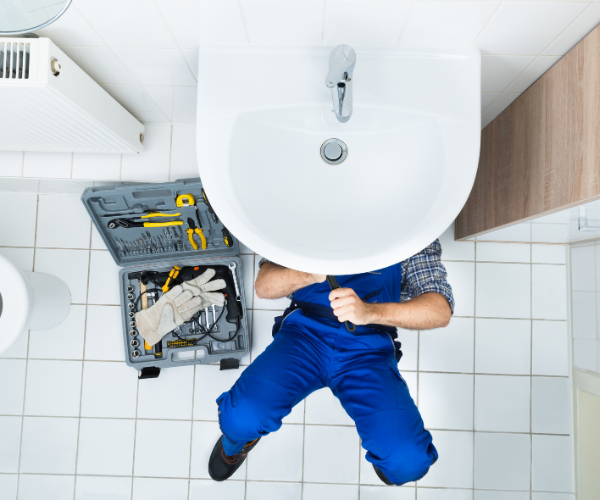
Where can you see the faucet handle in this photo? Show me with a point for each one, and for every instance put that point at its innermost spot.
(341, 61)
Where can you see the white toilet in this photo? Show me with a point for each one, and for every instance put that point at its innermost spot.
(35, 301)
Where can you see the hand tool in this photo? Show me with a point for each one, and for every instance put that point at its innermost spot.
(184, 200)
(144, 300)
(129, 223)
(166, 236)
(232, 268)
(215, 327)
(134, 343)
(206, 318)
(172, 276)
(180, 237)
(121, 246)
(143, 246)
(170, 233)
(192, 229)
(133, 333)
(135, 354)
(152, 244)
(227, 237)
(147, 243)
(333, 284)
(210, 208)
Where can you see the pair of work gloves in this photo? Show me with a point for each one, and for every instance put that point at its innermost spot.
(178, 305)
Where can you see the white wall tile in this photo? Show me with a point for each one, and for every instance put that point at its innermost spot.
(8, 485)
(534, 71)
(163, 457)
(49, 445)
(454, 469)
(285, 444)
(52, 232)
(92, 487)
(71, 29)
(228, 490)
(549, 292)
(71, 266)
(551, 405)
(9, 446)
(19, 229)
(106, 446)
(104, 334)
(322, 407)
(518, 232)
(576, 31)
(385, 493)
(494, 109)
(503, 252)
(11, 163)
(377, 23)
(184, 162)
(444, 494)
(487, 98)
(109, 390)
(584, 315)
(447, 349)
(585, 355)
(177, 103)
(410, 348)
(104, 279)
(536, 495)
(33, 487)
(52, 165)
(132, 98)
(101, 64)
(583, 275)
(153, 163)
(446, 400)
(174, 69)
(456, 250)
(330, 492)
(168, 396)
(13, 393)
(150, 488)
(18, 349)
(550, 233)
(548, 254)
(461, 276)
(498, 72)
(191, 55)
(501, 495)
(53, 388)
(284, 491)
(502, 461)
(550, 348)
(97, 166)
(503, 346)
(204, 438)
(502, 403)
(552, 463)
(526, 28)
(330, 454)
(138, 24)
(283, 23)
(503, 290)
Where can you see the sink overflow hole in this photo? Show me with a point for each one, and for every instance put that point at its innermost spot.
(334, 151)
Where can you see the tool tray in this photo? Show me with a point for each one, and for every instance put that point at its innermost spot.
(159, 250)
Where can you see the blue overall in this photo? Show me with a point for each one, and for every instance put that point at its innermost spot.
(312, 350)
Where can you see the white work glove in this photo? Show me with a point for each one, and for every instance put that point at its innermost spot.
(178, 305)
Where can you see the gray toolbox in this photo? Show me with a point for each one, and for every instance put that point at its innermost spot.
(135, 221)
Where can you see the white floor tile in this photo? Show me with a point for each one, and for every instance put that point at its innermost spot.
(104, 334)
(168, 396)
(367, 472)
(322, 407)
(97, 241)
(410, 348)
(412, 382)
(9, 445)
(211, 382)
(454, 468)
(331, 454)
(97, 166)
(53, 232)
(444, 494)
(551, 405)
(213, 490)
(456, 250)
(34, 487)
(502, 461)
(583, 277)
(446, 400)
(153, 163)
(262, 329)
(552, 496)
(64, 341)
(204, 438)
(503, 346)
(245, 249)
(13, 393)
(549, 292)
(53, 388)
(49, 445)
(95, 487)
(248, 278)
(49, 165)
(109, 390)
(461, 276)
(502, 403)
(285, 444)
(163, 457)
(297, 414)
(330, 492)
(501, 495)
(552, 463)
(279, 491)
(146, 488)
(584, 315)
(447, 349)
(184, 162)
(18, 230)
(104, 279)
(106, 446)
(585, 354)
(21, 258)
(8, 485)
(503, 252)
(71, 266)
(11, 163)
(549, 254)
(550, 348)
(278, 304)
(503, 290)
(19, 348)
(386, 493)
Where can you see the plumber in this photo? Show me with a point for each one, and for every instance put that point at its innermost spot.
(312, 348)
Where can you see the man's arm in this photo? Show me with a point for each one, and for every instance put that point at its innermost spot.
(426, 311)
(275, 281)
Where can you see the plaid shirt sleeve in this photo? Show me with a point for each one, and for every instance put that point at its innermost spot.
(424, 272)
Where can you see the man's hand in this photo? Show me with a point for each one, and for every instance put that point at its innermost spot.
(348, 306)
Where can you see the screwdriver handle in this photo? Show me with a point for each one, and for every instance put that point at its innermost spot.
(333, 284)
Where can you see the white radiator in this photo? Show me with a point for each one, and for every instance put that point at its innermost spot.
(48, 103)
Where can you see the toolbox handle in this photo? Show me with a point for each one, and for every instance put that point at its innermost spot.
(149, 372)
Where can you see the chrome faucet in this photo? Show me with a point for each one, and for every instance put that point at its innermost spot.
(339, 80)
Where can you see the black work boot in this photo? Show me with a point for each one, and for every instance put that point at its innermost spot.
(381, 476)
(222, 466)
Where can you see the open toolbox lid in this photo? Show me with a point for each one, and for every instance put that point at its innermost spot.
(163, 237)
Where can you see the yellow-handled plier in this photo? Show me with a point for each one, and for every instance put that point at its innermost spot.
(198, 230)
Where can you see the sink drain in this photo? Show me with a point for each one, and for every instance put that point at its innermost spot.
(334, 151)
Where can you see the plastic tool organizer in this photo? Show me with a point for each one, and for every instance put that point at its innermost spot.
(149, 254)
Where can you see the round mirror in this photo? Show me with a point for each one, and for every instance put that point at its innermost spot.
(23, 16)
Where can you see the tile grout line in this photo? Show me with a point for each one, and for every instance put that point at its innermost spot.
(191, 432)
(137, 402)
(530, 377)
(474, 347)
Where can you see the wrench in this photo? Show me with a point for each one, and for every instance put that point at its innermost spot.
(233, 267)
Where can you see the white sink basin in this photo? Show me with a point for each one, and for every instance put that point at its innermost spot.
(413, 149)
